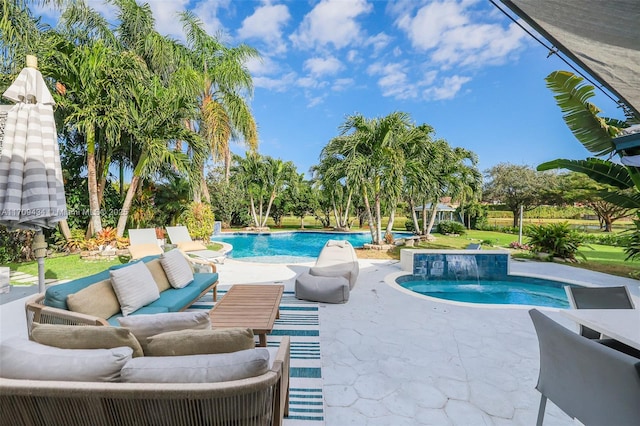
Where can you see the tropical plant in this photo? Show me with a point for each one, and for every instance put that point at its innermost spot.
(199, 219)
(451, 227)
(596, 134)
(556, 239)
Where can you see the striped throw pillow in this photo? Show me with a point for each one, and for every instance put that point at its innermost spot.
(134, 286)
(177, 268)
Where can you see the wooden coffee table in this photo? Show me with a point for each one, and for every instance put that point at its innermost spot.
(252, 306)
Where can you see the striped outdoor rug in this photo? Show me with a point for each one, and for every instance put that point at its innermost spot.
(299, 320)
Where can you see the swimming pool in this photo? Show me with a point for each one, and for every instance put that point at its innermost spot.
(283, 247)
(510, 290)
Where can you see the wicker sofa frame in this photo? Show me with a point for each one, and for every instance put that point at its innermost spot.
(261, 400)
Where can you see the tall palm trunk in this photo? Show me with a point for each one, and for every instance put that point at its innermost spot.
(345, 220)
(253, 212)
(92, 182)
(227, 164)
(414, 216)
(378, 219)
(367, 206)
(432, 219)
(126, 205)
(131, 192)
(423, 230)
(64, 229)
(392, 218)
(266, 215)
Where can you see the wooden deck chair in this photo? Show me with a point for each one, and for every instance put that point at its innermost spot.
(143, 242)
(179, 235)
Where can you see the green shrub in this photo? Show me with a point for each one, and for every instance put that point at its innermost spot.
(451, 227)
(497, 228)
(633, 246)
(607, 239)
(15, 246)
(409, 225)
(199, 219)
(557, 239)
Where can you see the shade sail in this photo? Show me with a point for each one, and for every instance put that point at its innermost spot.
(31, 185)
(601, 36)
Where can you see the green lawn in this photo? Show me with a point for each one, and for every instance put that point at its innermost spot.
(67, 267)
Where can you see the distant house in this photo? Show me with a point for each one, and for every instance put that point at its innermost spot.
(443, 212)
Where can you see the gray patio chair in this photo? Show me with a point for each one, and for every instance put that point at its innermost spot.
(590, 382)
(179, 235)
(598, 298)
(143, 242)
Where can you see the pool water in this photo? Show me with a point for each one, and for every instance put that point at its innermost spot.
(512, 290)
(285, 247)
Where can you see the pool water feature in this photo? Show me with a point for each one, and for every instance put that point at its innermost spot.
(287, 247)
(509, 290)
(476, 277)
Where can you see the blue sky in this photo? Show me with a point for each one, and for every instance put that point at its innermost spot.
(458, 65)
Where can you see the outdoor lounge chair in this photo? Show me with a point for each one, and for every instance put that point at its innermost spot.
(598, 298)
(591, 382)
(179, 235)
(143, 242)
(337, 259)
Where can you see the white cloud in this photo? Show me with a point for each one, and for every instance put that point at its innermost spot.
(276, 84)
(307, 82)
(446, 29)
(352, 55)
(262, 66)
(449, 88)
(207, 11)
(165, 14)
(331, 22)
(378, 41)
(323, 66)
(393, 80)
(317, 100)
(342, 84)
(266, 24)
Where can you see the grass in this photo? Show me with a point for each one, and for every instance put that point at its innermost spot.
(70, 266)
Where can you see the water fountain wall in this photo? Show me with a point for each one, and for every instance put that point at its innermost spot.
(456, 264)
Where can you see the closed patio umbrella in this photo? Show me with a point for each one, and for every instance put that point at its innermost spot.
(31, 186)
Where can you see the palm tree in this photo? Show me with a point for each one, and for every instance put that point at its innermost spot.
(157, 114)
(371, 159)
(264, 178)
(225, 83)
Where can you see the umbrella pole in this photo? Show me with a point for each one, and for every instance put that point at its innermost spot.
(40, 250)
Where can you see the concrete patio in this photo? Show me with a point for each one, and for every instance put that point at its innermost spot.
(393, 358)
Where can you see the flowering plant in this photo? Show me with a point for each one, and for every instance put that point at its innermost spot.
(519, 246)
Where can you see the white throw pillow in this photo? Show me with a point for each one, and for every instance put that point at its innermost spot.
(177, 268)
(27, 360)
(134, 286)
(145, 326)
(197, 368)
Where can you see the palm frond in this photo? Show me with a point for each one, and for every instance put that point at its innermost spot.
(572, 96)
(601, 171)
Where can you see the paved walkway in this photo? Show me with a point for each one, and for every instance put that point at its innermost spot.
(26, 286)
(393, 358)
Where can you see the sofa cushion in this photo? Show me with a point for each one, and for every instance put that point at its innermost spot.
(56, 295)
(134, 286)
(145, 310)
(85, 337)
(138, 251)
(177, 268)
(197, 368)
(191, 246)
(175, 299)
(97, 299)
(144, 326)
(157, 271)
(24, 359)
(200, 342)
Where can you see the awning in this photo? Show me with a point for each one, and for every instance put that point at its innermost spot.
(600, 36)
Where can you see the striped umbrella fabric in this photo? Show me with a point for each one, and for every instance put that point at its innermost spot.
(31, 185)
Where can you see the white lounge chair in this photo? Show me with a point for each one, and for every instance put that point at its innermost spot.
(143, 242)
(179, 235)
